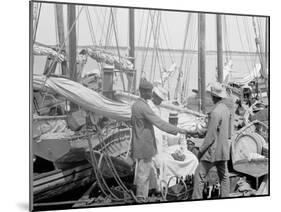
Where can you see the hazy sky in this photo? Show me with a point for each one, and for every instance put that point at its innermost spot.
(239, 33)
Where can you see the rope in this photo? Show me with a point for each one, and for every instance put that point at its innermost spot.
(142, 20)
(249, 38)
(108, 32)
(56, 24)
(36, 22)
(238, 26)
(116, 40)
(156, 35)
(113, 170)
(90, 24)
(178, 86)
(59, 51)
(258, 46)
(94, 165)
(97, 172)
(102, 26)
(153, 50)
(148, 42)
(194, 41)
(166, 40)
(62, 46)
(227, 44)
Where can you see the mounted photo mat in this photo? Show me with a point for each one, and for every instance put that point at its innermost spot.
(135, 106)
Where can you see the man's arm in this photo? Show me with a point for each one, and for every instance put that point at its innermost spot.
(211, 132)
(159, 123)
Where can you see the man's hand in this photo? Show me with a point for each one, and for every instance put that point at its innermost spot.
(188, 133)
(183, 131)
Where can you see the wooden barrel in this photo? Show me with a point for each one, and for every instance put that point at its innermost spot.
(245, 144)
(246, 154)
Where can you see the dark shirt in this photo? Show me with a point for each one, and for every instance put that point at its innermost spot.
(143, 137)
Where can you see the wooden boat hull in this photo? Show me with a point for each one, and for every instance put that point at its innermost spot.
(57, 182)
(71, 157)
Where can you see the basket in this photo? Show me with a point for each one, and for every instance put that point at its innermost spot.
(179, 191)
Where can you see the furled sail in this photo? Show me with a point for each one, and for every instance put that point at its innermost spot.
(102, 56)
(42, 50)
(84, 97)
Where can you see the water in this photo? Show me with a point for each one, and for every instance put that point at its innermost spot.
(242, 63)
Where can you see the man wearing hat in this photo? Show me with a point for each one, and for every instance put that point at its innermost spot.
(215, 148)
(158, 96)
(143, 138)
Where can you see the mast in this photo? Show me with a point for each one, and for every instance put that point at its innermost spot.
(219, 49)
(266, 43)
(260, 49)
(266, 51)
(132, 77)
(71, 47)
(31, 66)
(71, 51)
(201, 60)
(60, 22)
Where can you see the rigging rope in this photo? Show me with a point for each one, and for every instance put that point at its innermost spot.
(116, 40)
(108, 32)
(156, 36)
(249, 39)
(178, 86)
(56, 26)
(36, 22)
(226, 39)
(190, 61)
(140, 30)
(153, 50)
(90, 24)
(245, 58)
(60, 48)
(111, 165)
(97, 172)
(258, 46)
(169, 38)
(147, 47)
(144, 46)
(101, 25)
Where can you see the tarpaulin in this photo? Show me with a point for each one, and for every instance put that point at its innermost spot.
(84, 97)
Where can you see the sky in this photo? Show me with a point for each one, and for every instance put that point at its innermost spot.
(238, 35)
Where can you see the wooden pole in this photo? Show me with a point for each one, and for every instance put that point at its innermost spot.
(132, 77)
(266, 53)
(201, 60)
(31, 207)
(60, 22)
(71, 48)
(266, 43)
(71, 41)
(219, 49)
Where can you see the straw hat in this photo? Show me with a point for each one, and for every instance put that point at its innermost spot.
(160, 92)
(218, 90)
